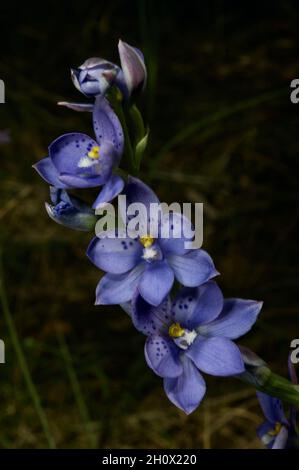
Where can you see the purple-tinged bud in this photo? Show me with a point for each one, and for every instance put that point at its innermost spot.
(259, 375)
(70, 211)
(250, 358)
(133, 67)
(256, 370)
(95, 76)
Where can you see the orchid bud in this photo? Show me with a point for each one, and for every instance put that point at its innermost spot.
(95, 76)
(70, 211)
(133, 67)
(256, 370)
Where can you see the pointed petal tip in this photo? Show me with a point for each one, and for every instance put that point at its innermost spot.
(120, 43)
(99, 206)
(189, 411)
(49, 209)
(74, 73)
(259, 304)
(35, 167)
(214, 273)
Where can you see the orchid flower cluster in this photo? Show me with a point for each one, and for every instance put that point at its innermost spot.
(169, 291)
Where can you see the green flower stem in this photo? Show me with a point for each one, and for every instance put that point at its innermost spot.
(282, 388)
(264, 380)
(138, 131)
(23, 363)
(129, 153)
(136, 121)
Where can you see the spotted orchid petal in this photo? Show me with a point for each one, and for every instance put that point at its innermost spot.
(136, 191)
(107, 126)
(114, 255)
(70, 156)
(68, 150)
(149, 319)
(175, 230)
(162, 356)
(198, 305)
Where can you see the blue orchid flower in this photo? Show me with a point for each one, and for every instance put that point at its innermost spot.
(193, 334)
(77, 161)
(70, 211)
(278, 432)
(145, 263)
(96, 75)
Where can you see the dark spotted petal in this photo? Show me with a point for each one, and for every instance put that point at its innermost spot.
(149, 319)
(196, 306)
(162, 356)
(67, 150)
(114, 255)
(107, 126)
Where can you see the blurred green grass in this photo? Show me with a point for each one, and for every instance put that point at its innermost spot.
(87, 362)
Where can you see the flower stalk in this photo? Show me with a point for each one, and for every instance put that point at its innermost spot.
(260, 376)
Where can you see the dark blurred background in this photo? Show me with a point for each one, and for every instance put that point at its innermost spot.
(223, 132)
